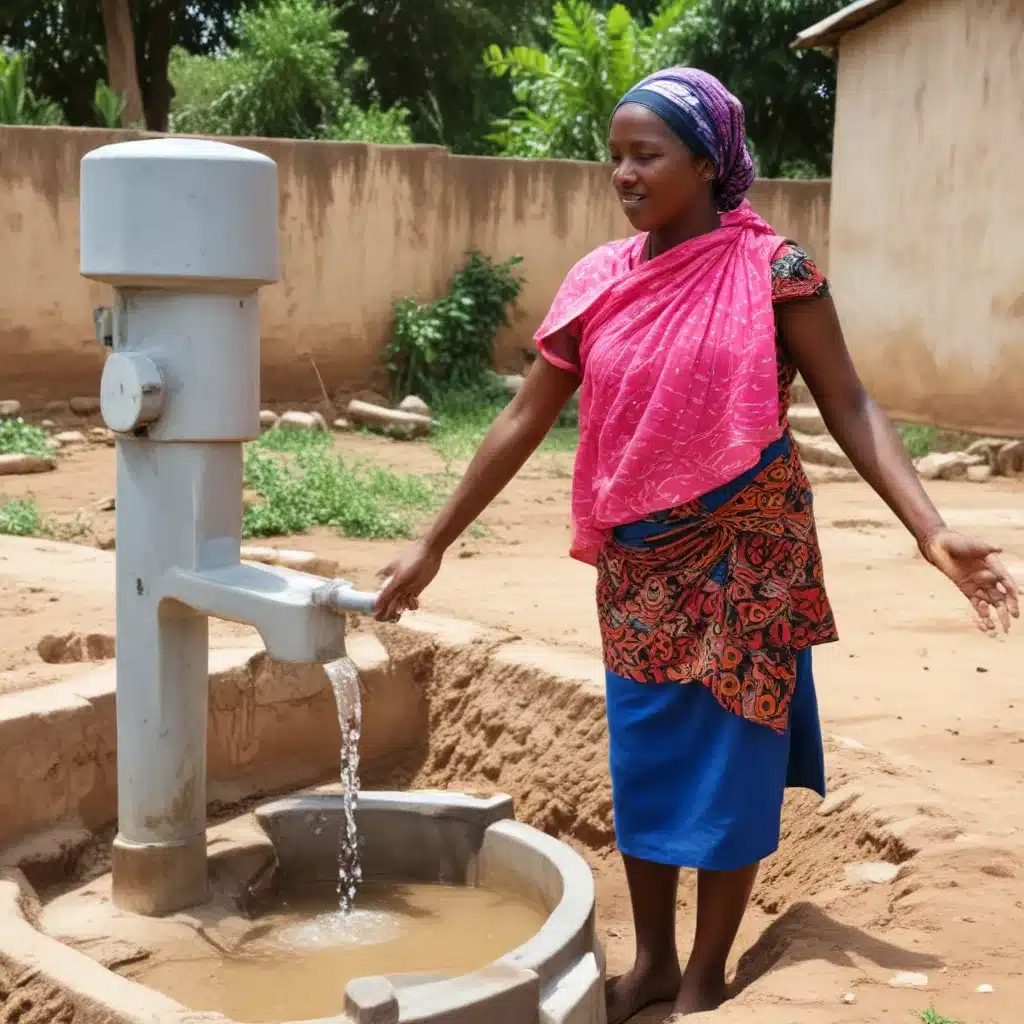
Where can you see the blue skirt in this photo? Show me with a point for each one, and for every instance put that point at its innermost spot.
(696, 786)
(693, 784)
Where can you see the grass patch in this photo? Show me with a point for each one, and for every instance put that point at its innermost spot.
(19, 517)
(931, 1017)
(20, 438)
(304, 483)
(465, 419)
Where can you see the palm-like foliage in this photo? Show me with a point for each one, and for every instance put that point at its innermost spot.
(566, 95)
(18, 104)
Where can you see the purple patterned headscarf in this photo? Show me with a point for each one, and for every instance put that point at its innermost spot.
(708, 119)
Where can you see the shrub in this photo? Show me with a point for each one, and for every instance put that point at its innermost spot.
(447, 344)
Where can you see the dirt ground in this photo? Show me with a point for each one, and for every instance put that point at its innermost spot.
(918, 706)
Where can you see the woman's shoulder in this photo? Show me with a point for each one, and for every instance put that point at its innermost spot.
(795, 275)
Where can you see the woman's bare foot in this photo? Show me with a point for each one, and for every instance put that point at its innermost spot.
(626, 995)
(698, 994)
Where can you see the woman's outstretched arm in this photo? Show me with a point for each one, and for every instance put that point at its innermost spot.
(512, 439)
(812, 334)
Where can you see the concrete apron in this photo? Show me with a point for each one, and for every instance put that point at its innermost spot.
(273, 729)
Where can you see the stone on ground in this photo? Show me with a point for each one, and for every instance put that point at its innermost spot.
(414, 404)
(1009, 460)
(9, 408)
(268, 418)
(85, 405)
(821, 451)
(18, 465)
(409, 423)
(947, 465)
(70, 438)
(805, 419)
(874, 872)
(294, 420)
(289, 558)
(341, 424)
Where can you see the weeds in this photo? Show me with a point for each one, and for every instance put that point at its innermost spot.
(20, 438)
(931, 1017)
(19, 517)
(304, 484)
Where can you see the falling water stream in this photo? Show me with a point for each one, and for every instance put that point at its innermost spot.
(344, 677)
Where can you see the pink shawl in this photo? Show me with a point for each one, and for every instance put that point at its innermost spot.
(680, 389)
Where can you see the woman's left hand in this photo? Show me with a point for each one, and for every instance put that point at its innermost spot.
(975, 568)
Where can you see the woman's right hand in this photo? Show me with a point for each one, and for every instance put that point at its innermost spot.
(405, 579)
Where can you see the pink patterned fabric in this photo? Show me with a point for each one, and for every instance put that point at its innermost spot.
(680, 391)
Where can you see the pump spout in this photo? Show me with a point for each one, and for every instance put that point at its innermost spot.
(299, 616)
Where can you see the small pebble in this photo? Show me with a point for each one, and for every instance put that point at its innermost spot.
(850, 998)
(984, 989)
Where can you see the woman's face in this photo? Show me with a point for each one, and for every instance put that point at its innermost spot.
(658, 180)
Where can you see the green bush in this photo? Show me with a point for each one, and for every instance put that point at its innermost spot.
(446, 345)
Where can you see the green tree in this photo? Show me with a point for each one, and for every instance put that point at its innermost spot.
(425, 55)
(789, 95)
(290, 76)
(64, 42)
(566, 94)
(18, 104)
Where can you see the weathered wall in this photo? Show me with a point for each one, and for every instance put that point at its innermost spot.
(361, 226)
(927, 260)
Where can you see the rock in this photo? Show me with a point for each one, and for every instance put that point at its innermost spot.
(979, 474)
(268, 418)
(805, 419)
(301, 421)
(874, 872)
(101, 435)
(341, 424)
(17, 465)
(70, 438)
(413, 403)
(830, 474)
(85, 405)
(105, 505)
(75, 647)
(58, 408)
(1009, 460)
(849, 998)
(800, 393)
(409, 424)
(47, 424)
(9, 408)
(947, 465)
(300, 561)
(513, 382)
(986, 447)
(984, 989)
(821, 451)
(908, 979)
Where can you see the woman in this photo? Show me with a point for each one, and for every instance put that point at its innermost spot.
(689, 497)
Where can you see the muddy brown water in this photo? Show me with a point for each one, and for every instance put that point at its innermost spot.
(295, 961)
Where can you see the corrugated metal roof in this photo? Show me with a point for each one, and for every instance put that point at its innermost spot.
(829, 31)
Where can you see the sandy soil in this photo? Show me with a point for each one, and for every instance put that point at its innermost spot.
(920, 708)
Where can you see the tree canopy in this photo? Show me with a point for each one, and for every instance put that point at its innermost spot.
(535, 78)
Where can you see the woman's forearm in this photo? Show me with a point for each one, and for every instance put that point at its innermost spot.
(877, 452)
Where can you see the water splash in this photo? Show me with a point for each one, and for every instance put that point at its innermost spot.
(344, 679)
